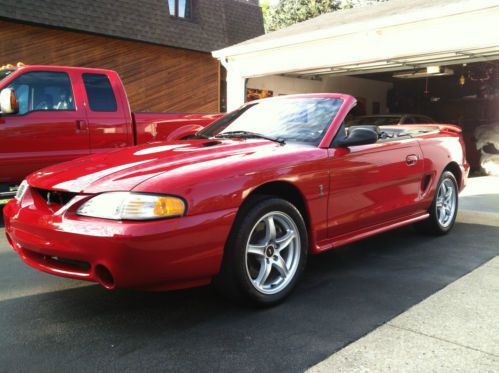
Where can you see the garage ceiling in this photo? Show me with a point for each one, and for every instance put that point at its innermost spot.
(407, 62)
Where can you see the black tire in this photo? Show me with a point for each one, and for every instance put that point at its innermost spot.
(432, 225)
(234, 280)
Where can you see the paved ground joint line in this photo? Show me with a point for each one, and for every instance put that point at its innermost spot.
(440, 339)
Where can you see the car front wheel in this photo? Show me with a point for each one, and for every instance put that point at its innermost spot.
(266, 252)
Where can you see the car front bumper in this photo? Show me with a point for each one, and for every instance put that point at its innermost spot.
(150, 255)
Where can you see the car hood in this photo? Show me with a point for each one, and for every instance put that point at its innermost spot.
(124, 169)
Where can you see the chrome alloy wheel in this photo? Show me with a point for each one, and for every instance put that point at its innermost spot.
(273, 252)
(446, 202)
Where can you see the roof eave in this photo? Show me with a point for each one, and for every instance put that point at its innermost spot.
(355, 27)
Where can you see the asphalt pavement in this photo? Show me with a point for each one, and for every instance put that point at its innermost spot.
(52, 324)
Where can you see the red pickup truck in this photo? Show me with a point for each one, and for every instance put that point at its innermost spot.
(51, 114)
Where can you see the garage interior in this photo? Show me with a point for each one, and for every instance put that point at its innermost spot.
(418, 57)
(465, 94)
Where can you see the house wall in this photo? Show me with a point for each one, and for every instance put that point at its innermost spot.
(156, 78)
(368, 89)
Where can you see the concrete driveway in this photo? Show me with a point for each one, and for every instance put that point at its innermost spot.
(54, 324)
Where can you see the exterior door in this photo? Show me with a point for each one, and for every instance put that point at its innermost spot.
(108, 122)
(46, 130)
(373, 184)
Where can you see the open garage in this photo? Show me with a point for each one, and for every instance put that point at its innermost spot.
(415, 58)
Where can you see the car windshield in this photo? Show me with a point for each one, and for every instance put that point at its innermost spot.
(374, 121)
(300, 119)
(5, 73)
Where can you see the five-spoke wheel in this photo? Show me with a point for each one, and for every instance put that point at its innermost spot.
(266, 252)
(446, 202)
(443, 209)
(273, 252)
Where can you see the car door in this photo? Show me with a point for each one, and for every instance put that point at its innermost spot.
(45, 130)
(107, 121)
(373, 184)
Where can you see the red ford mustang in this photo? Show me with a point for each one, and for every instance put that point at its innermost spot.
(241, 203)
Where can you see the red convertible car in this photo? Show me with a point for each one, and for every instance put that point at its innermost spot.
(241, 203)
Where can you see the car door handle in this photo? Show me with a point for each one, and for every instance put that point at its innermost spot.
(411, 159)
(81, 126)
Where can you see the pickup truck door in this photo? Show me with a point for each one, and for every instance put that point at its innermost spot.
(108, 116)
(373, 184)
(49, 127)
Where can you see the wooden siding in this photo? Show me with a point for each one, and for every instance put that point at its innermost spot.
(156, 78)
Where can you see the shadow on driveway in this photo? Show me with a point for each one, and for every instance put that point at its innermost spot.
(343, 295)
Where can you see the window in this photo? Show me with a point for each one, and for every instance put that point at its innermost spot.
(180, 8)
(43, 90)
(99, 92)
(302, 120)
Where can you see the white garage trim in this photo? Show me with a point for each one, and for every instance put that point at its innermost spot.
(391, 36)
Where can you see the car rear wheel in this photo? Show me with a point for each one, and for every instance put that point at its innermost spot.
(265, 254)
(443, 210)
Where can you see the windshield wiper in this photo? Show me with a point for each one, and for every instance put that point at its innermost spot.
(249, 134)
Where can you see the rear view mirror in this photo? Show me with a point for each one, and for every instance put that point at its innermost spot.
(8, 102)
(358, 136)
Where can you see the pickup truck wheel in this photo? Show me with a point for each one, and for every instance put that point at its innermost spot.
(443, 210)
(265, 254)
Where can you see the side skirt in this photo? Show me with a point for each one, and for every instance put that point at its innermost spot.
(368, 232)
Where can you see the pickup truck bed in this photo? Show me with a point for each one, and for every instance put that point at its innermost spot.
(150, 127)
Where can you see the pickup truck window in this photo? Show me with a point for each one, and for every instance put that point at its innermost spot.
(99, 92)
(43, 90)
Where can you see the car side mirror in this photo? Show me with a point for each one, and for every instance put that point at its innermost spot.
(358, 136)
(8, 102)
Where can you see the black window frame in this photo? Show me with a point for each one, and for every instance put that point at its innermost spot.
(89, 99)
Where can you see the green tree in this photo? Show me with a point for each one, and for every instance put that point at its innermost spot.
(347, 4)
(265, 5)
(287, 12)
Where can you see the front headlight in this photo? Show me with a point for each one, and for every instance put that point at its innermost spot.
(23, 187)
(132, 206)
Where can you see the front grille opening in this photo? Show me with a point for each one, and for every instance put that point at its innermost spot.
(55, 196)
(77, 264)
(58, 262)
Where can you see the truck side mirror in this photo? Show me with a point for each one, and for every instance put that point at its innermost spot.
(8, 102)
